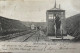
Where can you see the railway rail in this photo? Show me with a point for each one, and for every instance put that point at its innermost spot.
(36, 37)
(30, 35)
(15, 35)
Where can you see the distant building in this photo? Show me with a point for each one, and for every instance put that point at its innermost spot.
(32, 26)
(55, 18)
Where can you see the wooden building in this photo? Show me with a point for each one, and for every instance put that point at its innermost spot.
(55, 18)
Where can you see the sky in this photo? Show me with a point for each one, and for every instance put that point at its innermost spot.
(35, 10)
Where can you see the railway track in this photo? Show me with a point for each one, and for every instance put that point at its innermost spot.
(31, 34)
(36, 37)
(13, 36)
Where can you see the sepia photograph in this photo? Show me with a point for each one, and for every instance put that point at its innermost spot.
(39, 21)
(39, 26)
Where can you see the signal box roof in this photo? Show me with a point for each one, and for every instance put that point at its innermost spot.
(55, 10)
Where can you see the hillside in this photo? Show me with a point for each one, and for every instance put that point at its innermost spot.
(73, 26)
(10, 24)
